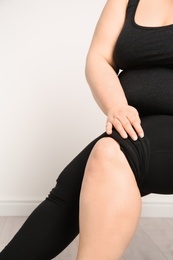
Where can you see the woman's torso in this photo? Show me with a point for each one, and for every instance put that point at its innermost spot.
(145, 54)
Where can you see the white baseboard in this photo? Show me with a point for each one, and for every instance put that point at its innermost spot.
(17, 208)
(159, 206)
(151, 207)
(153, 210)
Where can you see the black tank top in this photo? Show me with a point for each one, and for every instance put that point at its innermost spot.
(145, 56)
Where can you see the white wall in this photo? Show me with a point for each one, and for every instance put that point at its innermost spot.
(47, 112)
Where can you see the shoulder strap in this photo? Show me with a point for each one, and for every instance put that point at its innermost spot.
(132, 3)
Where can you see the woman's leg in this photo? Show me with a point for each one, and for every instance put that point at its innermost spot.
(109, 201)
(55, 222)
(110, 204)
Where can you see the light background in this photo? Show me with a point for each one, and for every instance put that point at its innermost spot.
(47, 112)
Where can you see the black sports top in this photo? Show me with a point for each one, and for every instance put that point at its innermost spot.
(145, 54)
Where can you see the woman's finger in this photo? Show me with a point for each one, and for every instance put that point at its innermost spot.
(128, 128)
(120, 129)
(138, 128)
(109, 128)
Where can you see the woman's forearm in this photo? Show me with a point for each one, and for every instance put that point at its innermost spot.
(104, 83)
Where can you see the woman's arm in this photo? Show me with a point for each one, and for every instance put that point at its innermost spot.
(101, 75)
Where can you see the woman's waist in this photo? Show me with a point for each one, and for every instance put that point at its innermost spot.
(150, 90)
(156, 78)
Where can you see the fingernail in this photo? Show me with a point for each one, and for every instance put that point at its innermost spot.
(141, 135)
(135, 137)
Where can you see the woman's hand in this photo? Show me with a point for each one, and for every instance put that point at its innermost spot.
(125, 119)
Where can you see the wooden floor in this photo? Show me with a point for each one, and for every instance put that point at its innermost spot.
(153, 239)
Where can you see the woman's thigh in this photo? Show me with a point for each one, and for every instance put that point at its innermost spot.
(159, 131)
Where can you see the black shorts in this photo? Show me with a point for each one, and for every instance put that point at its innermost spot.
(151, 157)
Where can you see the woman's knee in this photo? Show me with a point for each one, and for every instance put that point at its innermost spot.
(105, 158)
(107, 149)
(107, 164)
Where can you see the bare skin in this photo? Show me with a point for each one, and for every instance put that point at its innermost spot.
(110, 203)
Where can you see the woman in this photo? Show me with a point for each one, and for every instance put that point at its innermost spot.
(99, 192)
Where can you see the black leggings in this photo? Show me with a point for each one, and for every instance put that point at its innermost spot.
(55, 222)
